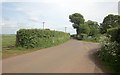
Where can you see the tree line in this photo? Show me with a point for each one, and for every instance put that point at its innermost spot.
(92, 28)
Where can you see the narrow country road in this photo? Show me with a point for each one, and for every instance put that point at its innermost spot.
(71, 57)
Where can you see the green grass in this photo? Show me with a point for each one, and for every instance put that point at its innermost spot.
(8, 41)
(96, 39)
(16, 51)
(9, 49)
(90, 40)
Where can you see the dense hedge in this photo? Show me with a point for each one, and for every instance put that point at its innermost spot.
(31, 38)
(110, 54)
(110, 50)
(114, 34)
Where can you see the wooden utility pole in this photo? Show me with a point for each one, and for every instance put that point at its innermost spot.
(43, 24)
(65, 29)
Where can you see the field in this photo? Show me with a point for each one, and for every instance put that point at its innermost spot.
(9, 49)
(8, 41)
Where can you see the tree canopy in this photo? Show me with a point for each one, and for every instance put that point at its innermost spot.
(89, 28)
(77, 19)
(110, 21)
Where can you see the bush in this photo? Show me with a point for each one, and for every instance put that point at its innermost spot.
(110, 50)
(31, 38)
(110, 54)
(73, 36)
(84, 36)
(79, 37)
(114, 34)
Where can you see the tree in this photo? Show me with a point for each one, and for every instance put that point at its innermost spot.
(94, 28)
(77, 19)
(85, 29)
(110, 21)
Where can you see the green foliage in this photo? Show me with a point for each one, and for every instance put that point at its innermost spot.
(85, 29)
(73, 36)
(84, 36)
(79, 37)
(77, 19)
(89, 28)
(110, 21)
(31, 38)
(114, 34)
(110, 54)
(8, 41)
(94, 28)
(110, 50)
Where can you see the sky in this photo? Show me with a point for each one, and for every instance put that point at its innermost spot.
(19, 14)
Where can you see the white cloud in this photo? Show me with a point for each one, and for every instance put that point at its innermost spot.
(55, 12)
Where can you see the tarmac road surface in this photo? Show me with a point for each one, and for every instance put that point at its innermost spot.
(71, 57)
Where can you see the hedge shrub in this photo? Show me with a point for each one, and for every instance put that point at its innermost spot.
(31, 38)
(110, 50)
(110, 54)
(114, 34)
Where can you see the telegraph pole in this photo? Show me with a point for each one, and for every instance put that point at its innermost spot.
(43, 24)
(65, 29)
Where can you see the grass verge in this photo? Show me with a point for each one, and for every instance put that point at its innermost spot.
(16, 51)
(90, 40)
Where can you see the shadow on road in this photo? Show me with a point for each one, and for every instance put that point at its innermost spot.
(93, 55)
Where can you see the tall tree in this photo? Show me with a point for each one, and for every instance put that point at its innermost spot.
(77, 19)
(94, 28)
(110, 21)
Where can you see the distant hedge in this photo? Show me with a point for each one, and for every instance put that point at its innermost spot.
(31, 38)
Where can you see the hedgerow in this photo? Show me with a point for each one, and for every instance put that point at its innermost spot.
(110, 50)
(114, 34)
(32, 38)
